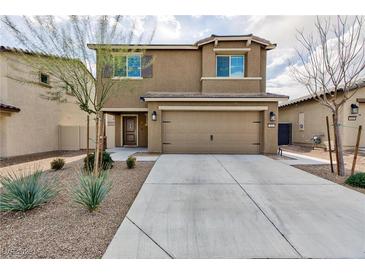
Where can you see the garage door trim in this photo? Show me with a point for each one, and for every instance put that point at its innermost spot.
(179, 135)
(214, 108)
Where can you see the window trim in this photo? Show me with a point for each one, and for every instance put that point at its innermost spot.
(229, 69)
(48, 78)
(128, 77)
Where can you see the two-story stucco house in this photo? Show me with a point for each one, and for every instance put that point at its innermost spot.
(206, 97)
(28, 123)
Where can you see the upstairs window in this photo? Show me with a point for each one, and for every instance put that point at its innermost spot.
(127, 66)
(230, 66)
(44, 78)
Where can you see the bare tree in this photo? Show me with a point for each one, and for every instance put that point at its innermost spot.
(331, 62)
(71, 63)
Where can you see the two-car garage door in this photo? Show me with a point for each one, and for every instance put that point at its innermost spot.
(211, 131)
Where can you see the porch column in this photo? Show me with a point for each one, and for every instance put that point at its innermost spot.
(118, 130)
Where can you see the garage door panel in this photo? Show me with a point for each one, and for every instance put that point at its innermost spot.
(190, 132)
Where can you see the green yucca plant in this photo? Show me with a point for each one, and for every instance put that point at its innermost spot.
(25, 191)
(92, 190)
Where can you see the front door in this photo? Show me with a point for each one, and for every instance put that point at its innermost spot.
(130, 131)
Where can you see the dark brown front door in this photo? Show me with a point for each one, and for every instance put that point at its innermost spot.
(130, 131)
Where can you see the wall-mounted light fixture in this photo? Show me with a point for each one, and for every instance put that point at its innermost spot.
(354, 109)
(272, 116)
(154, 116)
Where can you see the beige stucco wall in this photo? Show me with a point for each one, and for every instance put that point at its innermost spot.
(315, 121)
(253, 63)
(255, 67)
(351, 127)
(181, 71)
(268, 135)
(173, 71)
(223, 86)
(36, 127)
(3, 125)
(75, 137)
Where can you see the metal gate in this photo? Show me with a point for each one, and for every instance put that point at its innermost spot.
(285, 134)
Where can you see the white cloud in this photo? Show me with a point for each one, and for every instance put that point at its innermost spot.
(284, 84)
(279, 57)
(254, 21)
(168, 28)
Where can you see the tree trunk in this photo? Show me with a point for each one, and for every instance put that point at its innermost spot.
(336, 127)
(97, 145)
(87, 142)
(101, 139)
(102, 133)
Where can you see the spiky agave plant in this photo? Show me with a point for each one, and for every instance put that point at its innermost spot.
(24, 191)
(92, 190)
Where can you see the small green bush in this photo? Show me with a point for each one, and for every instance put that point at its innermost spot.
(106, 163)
(92, 190)
(131, 162)
(25, 191)
(57, 164)
(357, 180)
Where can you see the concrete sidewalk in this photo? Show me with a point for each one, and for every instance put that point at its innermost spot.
(122, 154)
(299, 159)
(239, 206)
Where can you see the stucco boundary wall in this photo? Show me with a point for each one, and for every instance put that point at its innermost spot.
(74, 137)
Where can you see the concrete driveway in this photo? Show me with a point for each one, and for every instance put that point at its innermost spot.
(239, 206)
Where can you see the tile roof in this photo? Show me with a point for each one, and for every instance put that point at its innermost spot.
(248, 36)
(359, 84)
(25, 51)
(195, 45)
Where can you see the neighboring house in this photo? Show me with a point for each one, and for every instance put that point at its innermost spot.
(302, 118)
(208, 97)
(28, 123)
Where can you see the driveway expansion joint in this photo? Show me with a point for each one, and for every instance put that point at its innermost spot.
(261, 210)
(148, 236)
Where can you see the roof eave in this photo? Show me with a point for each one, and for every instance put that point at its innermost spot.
(142, 47)
(215, 99)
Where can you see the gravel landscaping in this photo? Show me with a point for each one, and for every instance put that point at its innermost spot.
(64, 229)
(40, 156)
(324, 171)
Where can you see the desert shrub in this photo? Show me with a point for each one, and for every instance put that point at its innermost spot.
(57, 164)
(25, 191)
(357, 180)
(131, 162)
(106, 161)
(92, 190)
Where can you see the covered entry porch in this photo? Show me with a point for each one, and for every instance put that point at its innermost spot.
(130, 127)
